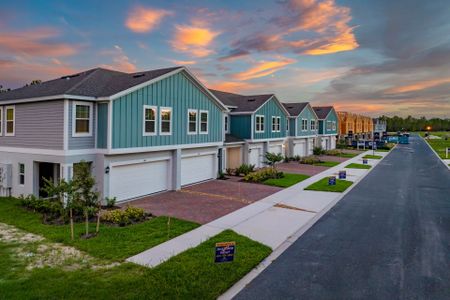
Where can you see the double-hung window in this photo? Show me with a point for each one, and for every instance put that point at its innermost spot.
(287, 124)
(259, 122)
(226, 124)
(150, 113)
(165, 120)
(334, 125)
(276, 124)
(21, 174)
(313, 124)
(10, 128)
(1, 121)
(192, 121)
(82, 119)
(328, 125)
(204, 119)
(304, 124)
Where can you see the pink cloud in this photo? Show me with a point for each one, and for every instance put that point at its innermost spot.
(144, 19)
(120, 61)
(263, 68)
(194, 39)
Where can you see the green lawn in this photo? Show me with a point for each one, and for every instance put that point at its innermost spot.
(115, 243)
(189, 275)
(370, 156)
(322, 185)
(327, 164)
(439, 145)
(287, 181)
(357, 166)
(382, 150)
(347, 155)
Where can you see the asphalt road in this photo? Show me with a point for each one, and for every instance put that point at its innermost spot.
(388, 238)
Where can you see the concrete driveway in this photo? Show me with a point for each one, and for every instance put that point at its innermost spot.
(205, 202)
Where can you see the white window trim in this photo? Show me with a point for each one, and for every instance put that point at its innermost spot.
(160, 120)
(303, 121)
(262, 117)
(1, 121)
(278, 123)
(196, 122)
(19, 174)
(91, 118)
(200, 121)
(155, 108)
(312, 121)
(6, 120)
(333, 125)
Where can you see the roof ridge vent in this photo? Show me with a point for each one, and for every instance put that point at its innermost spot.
(70, 76)
(251, 100)
(138, 75)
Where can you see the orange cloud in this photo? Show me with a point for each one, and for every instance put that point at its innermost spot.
(262, 69)
(141, 19)
(121, 61)
(234, 86)
(418, 86)
(194, 39)
(183, 62)
(36, 42)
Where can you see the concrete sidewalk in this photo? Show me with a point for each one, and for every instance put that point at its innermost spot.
(271, 221)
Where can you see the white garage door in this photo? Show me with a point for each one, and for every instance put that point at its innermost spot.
(300, 148)
(254, 157)
(324, 143)
(333, 142)
(135, 180)
(197, 168)
(310, 146)
(276, 149)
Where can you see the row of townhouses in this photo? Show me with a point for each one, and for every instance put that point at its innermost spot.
(146, 132)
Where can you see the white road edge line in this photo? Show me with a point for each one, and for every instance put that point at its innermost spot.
(244, 281)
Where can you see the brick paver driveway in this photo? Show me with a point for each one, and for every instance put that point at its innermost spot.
(296, 168)
(205, 202)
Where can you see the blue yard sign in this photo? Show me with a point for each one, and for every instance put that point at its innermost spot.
(365, 161)
(225, 252)
(342, 174)
(332, 180)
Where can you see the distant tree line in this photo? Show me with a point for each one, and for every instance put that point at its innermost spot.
(34, 82)
(416, 124)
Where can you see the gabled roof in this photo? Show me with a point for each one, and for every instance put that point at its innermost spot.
(242, 103)
(96, 83)
(322, 111)
(295, 108)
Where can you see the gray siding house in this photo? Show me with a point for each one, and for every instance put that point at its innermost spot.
(143, 132)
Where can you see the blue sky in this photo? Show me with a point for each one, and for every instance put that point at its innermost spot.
(372, 57)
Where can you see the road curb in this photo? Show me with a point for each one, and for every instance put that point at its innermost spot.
(244, 281)
(441, 159)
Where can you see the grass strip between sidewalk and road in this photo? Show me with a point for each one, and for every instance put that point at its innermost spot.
(370, 156)
(322, 185)
(287, 180)
(327, 164)
(357, 166)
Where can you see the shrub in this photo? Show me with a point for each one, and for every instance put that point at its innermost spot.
(297, 158)
(49, 207)
(287, 159)
(123, 217)
(310, 160)
(229, 171)
(273, 158)
(333, 152)
(263, 174)
(221, 175)
(110, 201)
(244, 169)
(318, 151)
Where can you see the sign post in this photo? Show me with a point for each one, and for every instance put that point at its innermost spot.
(365, 161)
(225, 252)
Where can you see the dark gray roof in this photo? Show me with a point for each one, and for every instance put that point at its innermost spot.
(232, 139)
(92, 83)
(322, 111)
(244, 103)
(295, 108)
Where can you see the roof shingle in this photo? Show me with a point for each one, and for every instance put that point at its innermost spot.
(243, 103)
(295, 108)
(322, 111)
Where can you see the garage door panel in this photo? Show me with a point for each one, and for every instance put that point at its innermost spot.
(255, 157)
(276, 149)
(198, 168)
(135, 180)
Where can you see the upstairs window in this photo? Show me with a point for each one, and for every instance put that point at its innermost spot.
(259, 120)
(328, 125)
(226, 124)
(204, 121)
(82, 120)
(334, 125)
(149, 120)
(287, 124)
(10, 121)
(313, 124)
(304, 124)
(1, 121)
(192, 121)
(21, 174)
(165, 117)
(276, 124)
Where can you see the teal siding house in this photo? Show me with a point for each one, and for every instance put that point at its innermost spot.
(256, 124)
(328, 126)
(143, 132)
(303, 132)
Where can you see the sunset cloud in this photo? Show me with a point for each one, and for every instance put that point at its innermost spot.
(262, 69)
(194, 39)
(120, 61)
(421, 85)
(234, 86)
(36, 42)
(144, 19)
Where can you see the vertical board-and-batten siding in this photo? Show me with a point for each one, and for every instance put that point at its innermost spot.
(38, 125)
(332, 116)
(177, 92)
(270, 109)
(102, 125)
(309, 115)
(85, 142)
(240, 126)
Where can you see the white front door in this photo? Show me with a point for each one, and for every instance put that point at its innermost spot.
(197, 168)
(254, 157)
(140, 179)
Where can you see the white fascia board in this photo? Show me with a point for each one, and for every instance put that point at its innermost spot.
(47, 98)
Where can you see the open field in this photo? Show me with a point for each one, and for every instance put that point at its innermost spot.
(439, 145)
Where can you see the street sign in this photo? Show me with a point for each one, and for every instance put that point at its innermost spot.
(225, 252)
(332, 180)
(365, 161)
(342, 174)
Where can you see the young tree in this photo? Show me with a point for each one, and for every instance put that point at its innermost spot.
(271, 159)
(84, 194)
